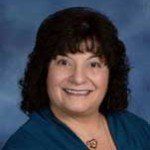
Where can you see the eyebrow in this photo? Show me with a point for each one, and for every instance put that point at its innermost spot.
(92, 56)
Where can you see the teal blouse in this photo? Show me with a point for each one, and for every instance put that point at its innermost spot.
(43, 131)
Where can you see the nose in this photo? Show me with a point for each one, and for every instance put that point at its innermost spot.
(78, 76)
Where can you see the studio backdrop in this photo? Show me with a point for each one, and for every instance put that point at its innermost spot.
(19, 21)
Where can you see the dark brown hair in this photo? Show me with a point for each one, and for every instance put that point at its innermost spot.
(62, 33)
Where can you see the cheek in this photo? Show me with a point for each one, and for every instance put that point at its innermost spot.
(100, 78)
(55, 78)
(53, 84)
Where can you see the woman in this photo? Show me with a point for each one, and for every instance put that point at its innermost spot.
(75, 88)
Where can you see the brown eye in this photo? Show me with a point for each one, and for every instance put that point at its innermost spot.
(95, 64)
(63, 62)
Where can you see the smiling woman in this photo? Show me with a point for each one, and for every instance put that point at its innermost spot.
(77, 84)
(75, 88)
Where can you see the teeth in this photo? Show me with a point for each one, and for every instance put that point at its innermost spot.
(81, 92)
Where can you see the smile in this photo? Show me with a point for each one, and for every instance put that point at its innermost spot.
(77, 92)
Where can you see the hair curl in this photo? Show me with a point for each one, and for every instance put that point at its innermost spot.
(62, 33)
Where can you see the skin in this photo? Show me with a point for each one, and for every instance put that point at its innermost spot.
(80, 112)
(77, 71)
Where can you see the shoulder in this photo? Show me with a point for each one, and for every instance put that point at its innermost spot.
(26, 137)
(130, 118)
(130, 127)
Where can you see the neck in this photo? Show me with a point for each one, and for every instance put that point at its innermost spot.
(87, 123)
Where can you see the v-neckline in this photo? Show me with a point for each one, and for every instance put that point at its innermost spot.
(48, 112)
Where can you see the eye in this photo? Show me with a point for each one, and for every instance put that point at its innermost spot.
(63, 62)
(95, 64)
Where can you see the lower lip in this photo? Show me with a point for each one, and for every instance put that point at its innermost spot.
(79, 95)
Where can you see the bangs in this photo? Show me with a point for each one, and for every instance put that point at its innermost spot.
(82, 45)
(79, 45)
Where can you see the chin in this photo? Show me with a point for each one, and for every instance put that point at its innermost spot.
(78, 110)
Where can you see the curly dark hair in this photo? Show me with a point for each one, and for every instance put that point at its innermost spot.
(62, 33)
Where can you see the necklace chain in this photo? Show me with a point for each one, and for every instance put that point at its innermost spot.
(93, 143)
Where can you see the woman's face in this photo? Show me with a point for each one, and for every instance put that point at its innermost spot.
(77, 83)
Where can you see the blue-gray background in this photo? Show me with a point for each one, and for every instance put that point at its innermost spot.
(19, 21)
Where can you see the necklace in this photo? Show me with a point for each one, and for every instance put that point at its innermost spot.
(93, 143)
